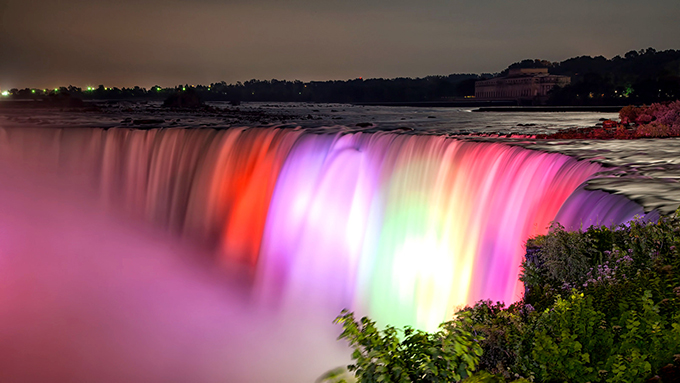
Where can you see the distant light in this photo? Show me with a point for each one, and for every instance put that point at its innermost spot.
(45, 91)
(56, 89)
(184, 88)
(5, 93)
(32, 90)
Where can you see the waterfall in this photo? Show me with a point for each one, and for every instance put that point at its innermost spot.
(403, 228)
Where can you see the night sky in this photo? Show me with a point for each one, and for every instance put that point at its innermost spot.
(48, 43)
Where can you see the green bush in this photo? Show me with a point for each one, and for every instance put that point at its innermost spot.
(566, 255)
(448, 355)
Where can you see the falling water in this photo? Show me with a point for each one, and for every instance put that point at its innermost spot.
(403, 228)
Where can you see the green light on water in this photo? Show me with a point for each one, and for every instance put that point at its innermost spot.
(184, 89)
(32, 90)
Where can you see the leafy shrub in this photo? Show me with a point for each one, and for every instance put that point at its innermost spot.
(565, 255)
(653, 130)
(569, 340)
(562, 262)
(448, 355)
(501, 333)
(485, 377)
(622, 318)
(629, 114)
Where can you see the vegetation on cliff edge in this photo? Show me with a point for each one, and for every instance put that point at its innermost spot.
(601, 305)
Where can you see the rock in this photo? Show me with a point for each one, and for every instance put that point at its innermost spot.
(63, 99)
(147, 122)
(185, 99)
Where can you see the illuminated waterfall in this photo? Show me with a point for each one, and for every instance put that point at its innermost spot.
(403, 228)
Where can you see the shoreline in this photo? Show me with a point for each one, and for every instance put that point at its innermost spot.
(551, 109)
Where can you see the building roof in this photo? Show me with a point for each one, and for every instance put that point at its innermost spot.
(518, 72)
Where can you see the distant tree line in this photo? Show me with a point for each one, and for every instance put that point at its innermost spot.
(639, 77)
(431, 88)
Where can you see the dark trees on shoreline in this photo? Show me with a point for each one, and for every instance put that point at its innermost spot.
(640, 77)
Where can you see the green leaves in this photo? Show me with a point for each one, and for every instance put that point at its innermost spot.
(448, 355)
(575, 342)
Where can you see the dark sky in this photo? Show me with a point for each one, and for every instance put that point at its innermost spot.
(46, 43)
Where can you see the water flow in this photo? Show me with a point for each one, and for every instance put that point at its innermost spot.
(403, 228)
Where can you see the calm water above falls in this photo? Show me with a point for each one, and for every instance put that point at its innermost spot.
(322, 117)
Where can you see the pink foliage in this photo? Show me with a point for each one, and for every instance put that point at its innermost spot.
(669, 114)
(652, 130)
(656, 120)
(653, 121)
(644, 119)
(628, 114)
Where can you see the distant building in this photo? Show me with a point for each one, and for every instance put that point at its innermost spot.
(521, 84)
